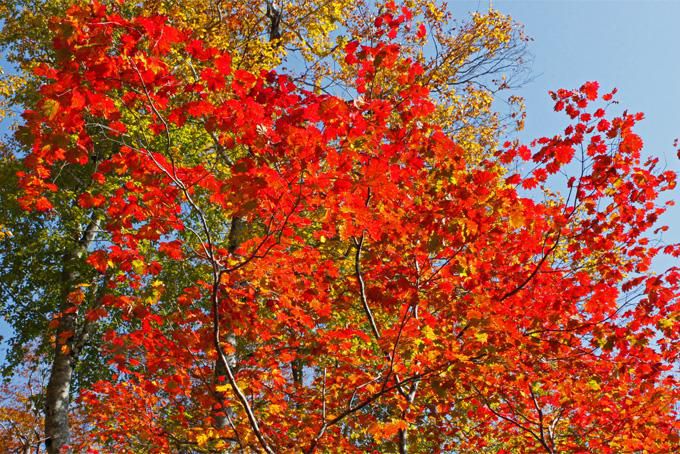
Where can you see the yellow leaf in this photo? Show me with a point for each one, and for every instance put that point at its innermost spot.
(666, 323)
(50, 108)
(138, 266)
(202, 440)
(429, 333)
(594, 385)
(482, 337)
(275, 409)
(223, 388)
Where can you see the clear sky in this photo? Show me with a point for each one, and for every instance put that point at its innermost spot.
(631, 45)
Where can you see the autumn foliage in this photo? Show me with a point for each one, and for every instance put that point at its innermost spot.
(21, 418)
(300, 271)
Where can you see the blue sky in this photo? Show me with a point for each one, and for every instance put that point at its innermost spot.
(631, 45)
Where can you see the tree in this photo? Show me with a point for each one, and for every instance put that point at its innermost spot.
(386, 290)
(50, 249)
(21, 416)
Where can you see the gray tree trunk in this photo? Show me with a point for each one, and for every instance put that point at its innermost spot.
(58, 392)
(58, 399)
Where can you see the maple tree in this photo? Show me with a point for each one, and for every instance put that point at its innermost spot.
(468, 53)
(293, 270)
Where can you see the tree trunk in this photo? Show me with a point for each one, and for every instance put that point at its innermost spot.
(58, 397)
(237, 231)
(58, 392)
(220, 414)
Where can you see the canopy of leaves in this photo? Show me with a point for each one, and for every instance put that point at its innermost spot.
(308, 37)
(291, 269)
